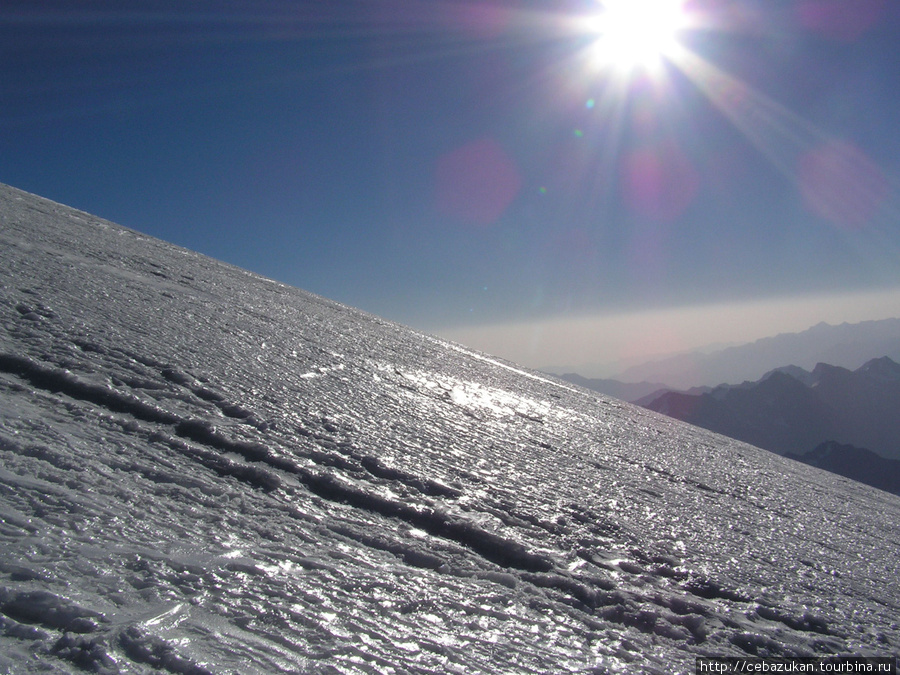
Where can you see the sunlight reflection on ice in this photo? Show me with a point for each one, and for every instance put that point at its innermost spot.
(283, 567)
(478, 397)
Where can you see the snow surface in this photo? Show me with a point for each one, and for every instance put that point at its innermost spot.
(205, 471)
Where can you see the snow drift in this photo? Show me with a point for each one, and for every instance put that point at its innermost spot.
(205, 471)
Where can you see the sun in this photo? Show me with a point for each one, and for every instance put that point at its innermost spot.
(636, 34)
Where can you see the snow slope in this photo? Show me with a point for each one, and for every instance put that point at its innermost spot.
(204, 471)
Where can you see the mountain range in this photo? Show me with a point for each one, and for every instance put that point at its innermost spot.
(206, 471)
(831, 417)
(846, 345)
(791, 410)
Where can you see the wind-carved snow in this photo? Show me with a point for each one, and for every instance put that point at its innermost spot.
(206, 471)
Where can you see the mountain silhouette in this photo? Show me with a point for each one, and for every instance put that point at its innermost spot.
(791, 411)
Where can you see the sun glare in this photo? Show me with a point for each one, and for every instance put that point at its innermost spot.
(637, 34)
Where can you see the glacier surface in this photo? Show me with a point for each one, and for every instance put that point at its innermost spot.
(206, 471)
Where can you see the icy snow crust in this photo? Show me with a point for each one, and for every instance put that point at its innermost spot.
(204, 471)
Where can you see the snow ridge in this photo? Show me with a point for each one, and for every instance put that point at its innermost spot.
(203, 471)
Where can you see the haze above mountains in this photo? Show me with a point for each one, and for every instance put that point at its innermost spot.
(205, 471)
(845, 345)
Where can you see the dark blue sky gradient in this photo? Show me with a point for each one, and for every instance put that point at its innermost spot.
(457, 163)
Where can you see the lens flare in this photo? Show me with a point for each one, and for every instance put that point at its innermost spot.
(841, 20)
(836, 180)
(659, 183)
(477, 182)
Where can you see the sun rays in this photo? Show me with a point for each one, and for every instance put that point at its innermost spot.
(637, 45)
(836, 180)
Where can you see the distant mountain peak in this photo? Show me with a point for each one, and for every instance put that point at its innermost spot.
(826, 370)
(777, 380)
(883, 368)
(798, 373)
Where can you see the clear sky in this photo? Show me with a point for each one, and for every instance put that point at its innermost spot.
(527, 177)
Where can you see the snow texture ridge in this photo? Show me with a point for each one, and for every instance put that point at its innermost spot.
(205, 471)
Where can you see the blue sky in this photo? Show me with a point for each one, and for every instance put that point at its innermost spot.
(471, 168)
